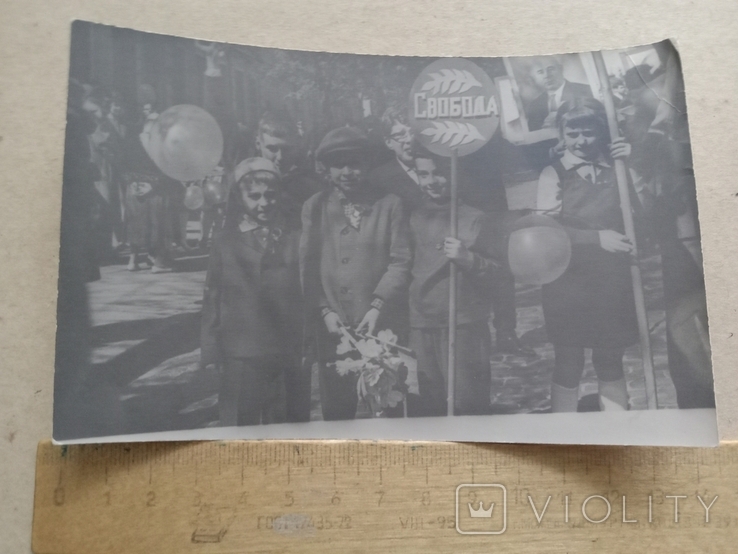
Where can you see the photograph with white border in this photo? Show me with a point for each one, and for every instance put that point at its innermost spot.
(267, 243)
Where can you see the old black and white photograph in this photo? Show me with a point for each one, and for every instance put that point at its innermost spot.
(268, 243)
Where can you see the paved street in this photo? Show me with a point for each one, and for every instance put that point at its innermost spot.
(145, 340)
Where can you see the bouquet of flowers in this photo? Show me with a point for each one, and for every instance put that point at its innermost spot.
(382, 366)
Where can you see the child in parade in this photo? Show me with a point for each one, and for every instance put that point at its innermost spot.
(278, 140)
(355, 260)
(252, 312)
(398, 176)
(434, 253)
(591, 306)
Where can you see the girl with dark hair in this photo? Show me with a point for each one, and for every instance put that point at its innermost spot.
(591, 305)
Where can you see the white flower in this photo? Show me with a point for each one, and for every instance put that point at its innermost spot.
(345, 346)
(387, 336)
(343, 367)
(369, 348)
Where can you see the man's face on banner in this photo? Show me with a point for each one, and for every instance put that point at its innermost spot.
(547, 74)
(275, 149)
(400, 141)
(430, 179)
(348, 172)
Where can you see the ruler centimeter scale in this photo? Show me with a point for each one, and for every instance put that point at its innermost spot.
(356, 496)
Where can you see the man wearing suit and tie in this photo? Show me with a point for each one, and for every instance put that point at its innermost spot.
(547, 73)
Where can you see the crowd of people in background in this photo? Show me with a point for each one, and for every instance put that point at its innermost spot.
(133, 207)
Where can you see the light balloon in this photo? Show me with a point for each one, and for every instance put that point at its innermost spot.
(185, 142)
(539, 250)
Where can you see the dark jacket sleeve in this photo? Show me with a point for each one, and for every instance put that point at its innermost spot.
(536, 112)
(396, 279)
(310, 241)
(582, 236)
(209, 351)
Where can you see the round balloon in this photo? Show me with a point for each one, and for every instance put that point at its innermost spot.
(215, 191)
(194, 198)
(185, 142)
(539, 250)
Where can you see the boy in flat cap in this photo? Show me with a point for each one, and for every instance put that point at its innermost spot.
(434, 253)
(252, 319)
(354, 257)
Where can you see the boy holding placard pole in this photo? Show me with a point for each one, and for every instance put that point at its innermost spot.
(438, 254)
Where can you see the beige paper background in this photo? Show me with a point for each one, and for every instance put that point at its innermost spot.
(34, 42)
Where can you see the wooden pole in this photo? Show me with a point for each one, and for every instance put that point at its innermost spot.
(452, 285)
(635, 271)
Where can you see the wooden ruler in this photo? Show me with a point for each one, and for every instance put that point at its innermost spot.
(338, 496)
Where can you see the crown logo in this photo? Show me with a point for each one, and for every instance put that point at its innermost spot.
(481, 512)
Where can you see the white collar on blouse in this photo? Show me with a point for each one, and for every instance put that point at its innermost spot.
(569, 160)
